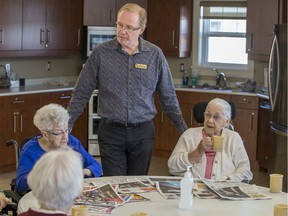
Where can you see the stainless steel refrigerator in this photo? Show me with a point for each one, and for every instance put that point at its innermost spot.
(277, 86)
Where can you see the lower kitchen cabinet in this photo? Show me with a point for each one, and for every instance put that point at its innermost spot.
(266, 140)
(245, 122)
(17, 114)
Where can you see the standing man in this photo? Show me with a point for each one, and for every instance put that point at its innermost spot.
(127, 71)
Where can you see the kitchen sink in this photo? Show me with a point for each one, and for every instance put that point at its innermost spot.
(206, 87)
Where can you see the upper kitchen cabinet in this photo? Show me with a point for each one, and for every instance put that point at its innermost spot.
(75, 25)
(10, 24)
(170, 26)
(99, 13)
(261, 17)
(103, 12)
(41, 27)
(44, 24)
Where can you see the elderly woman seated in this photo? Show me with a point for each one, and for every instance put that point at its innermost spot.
(52, 121)
(56, 180)
(194, 148)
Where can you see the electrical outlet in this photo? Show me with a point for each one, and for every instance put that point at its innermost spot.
(48, 66)
(8, 68)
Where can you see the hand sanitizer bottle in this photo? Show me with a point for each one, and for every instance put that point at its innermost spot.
(186, 185)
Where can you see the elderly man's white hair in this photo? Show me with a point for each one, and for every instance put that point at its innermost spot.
(57, 179)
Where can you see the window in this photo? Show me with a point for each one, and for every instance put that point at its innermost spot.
(222, 35)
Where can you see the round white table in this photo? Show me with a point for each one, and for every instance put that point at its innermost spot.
(160, 206)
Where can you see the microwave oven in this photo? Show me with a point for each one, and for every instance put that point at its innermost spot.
(97, 35)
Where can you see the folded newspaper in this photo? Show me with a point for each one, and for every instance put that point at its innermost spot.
(235, 190)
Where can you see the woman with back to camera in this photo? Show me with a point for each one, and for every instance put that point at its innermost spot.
(56, 180)
(52, 121)
(194, 148)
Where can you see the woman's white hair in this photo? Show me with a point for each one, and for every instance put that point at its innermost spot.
(50, 115)
(57, 179)
(226, 108)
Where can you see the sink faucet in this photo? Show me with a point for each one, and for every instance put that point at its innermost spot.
(220, 79)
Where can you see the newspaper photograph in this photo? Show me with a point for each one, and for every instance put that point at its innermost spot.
(235, 190)
(169, 189)
(135, 187)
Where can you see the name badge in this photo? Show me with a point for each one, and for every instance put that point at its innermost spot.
(141, 66)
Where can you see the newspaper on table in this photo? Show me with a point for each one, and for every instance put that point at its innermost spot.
(135, 187)
(235, 190)
(169, 189)
(103, 199)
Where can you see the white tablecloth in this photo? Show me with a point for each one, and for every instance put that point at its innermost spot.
(201, 207)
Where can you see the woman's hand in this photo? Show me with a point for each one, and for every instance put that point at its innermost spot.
(87, 173)
(3, 201)
(205, 144)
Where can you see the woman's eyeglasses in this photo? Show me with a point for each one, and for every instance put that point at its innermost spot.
(216, 117)
(58, 134)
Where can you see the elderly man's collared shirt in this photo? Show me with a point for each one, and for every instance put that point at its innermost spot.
(126, 84)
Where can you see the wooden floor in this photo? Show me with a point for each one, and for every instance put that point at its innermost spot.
(158, 167)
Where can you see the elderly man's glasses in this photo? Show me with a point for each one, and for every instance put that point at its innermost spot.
(126, 27)
(58, 133)
(216, 117)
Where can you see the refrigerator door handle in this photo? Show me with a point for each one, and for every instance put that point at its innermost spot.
(273, 97)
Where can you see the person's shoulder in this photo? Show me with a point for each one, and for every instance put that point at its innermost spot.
(31, 144)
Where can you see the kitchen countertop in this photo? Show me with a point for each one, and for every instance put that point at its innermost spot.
(30, 89)
(53, 87)
(229, 91)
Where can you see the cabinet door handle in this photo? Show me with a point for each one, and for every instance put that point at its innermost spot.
(78, 37)
(15, 121)
(111, 12)
(162, 117)
(244, 101)
(65, 97)
(47, 37)
(18, 102)
(250, 43)
(41, 36)
(1, 36)
(21, 123)
(173, 38)
(251, 122)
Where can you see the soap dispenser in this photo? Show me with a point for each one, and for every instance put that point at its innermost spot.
(186, 185)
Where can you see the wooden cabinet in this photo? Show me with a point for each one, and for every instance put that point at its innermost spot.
(17, 114)
(10, 24)
(40, 27)
(266, 139)
(261, 17)
(75, 25)
(170, 26)
(17, 120)
(246, 124)
(44, 24)
(103, 12)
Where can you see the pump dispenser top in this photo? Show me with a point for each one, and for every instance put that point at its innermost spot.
(186, 184)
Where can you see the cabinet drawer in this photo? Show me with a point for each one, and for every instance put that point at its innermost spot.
(19, 101)
(61, 97)
(247, 102)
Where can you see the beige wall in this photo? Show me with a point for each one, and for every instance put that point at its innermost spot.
(35, 67)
